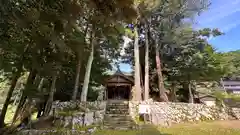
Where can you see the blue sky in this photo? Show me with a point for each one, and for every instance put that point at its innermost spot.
(224, 15)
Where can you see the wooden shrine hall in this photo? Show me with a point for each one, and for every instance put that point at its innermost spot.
(118, 86)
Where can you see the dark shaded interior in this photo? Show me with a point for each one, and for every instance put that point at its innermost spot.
(118, 92)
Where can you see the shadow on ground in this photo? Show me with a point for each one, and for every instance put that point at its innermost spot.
(150, 130)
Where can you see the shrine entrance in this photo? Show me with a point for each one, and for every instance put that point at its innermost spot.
(118, 93)
(118, 87)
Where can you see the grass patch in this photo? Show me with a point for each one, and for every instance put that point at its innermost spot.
(203, 128)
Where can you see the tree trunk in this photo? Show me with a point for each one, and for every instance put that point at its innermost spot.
(39, 104)
(11, 89)
(173, 92)
(7, 101)
(88, 71)
(78, 68)
(142, 80)
(137, 79)
(146, 79)
(50, 97)
(76, 86)
(163, 95)
(30, 113)
(40, 85)
(191, 100)
(30, 81)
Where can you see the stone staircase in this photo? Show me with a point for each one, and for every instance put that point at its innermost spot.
(117, 116)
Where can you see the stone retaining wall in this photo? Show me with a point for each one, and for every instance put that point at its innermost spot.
(97, 105)
(78, 113)
(72, 115)
(236, 113)
(165, 114)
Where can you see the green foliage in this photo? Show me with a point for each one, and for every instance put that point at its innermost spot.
(223, 95)
(230, 62)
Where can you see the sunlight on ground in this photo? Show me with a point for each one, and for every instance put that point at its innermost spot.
(10, 113)
(204, 128)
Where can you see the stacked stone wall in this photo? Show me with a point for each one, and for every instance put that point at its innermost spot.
(165, 114)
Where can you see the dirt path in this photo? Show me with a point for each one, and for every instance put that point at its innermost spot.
(228, 124)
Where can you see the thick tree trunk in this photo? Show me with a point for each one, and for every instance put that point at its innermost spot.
(163, 95)
(30, 81)
(146, 79)
(190, 94)
(76, 86)
(88, 71)
(173, 92)
(50, 97)
(7, 101)
(137, 79)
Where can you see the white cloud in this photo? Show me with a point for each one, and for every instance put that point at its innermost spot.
(221, 12)
(220, 15)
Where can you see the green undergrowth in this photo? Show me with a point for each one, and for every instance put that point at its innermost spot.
(67, 113)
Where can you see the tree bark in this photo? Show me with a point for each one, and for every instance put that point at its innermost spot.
(173, 92)
(39, 104)
(146, 79)
(88, 70)
(137, 79)
(162, 92)
(191, 100)
(9, 95)
(76, 86)
(50, 97)
(78, 69)
(30, 81)
(40, 85)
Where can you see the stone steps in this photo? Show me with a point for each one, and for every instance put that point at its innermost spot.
(117, 112)
(117, 116)
(120, 127)
(118, 123)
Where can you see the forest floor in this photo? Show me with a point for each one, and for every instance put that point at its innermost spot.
(203, 128)
(10, 113)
